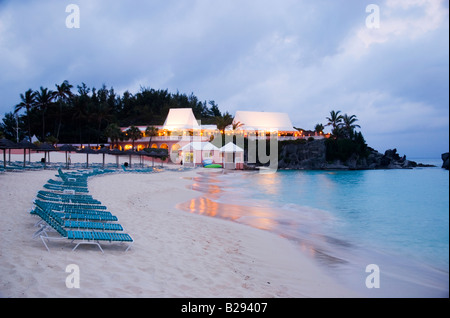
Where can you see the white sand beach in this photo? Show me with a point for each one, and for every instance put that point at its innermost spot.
(174, 254)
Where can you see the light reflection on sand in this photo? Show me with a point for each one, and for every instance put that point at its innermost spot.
(300, 227)
(205, 206)
(228, 197)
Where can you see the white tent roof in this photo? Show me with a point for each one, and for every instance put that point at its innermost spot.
(264, 121)
(209, 127)
(197, 145)
(181, 118)
(231, 147)
(34, 139)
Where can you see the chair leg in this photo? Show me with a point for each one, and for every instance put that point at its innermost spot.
(43, 241)
(129, 245)
(78, 244)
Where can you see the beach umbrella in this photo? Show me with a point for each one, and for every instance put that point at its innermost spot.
(155, 153)
(141, 153)
(6, 144)
(116, 152)
(87, 151)
(25, 144)
(131, 153)
(46, 148)
(67, 148)
(103, 151)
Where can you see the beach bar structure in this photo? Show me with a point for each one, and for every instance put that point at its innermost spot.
(194, 153)
(261, 125)
(232, 156)
(182, 128)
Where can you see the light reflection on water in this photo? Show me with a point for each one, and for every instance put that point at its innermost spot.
(238, 200)
(304, 227)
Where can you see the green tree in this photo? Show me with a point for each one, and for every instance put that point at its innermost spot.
(114, 133)
(349, 124)
(214, 110)
(236, 125)
(12, 126)
(335, 121)
(44, 99)
(62, 94)
(27, 103)
(319, 128)
(223, 121)
(134, 134)
(151, 131)
(101, 114)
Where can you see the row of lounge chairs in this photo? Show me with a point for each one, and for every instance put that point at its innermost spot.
(19, 166)
(139, 170)
(66, 209)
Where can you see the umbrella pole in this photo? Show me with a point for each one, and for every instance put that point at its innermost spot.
(24, 157)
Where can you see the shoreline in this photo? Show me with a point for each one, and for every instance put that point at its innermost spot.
(175, 254)
(224, 196)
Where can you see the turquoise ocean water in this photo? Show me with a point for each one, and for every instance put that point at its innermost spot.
(346, 220)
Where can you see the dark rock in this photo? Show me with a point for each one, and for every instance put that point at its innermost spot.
(408, 164)
(445, 159)
(385, 161)
(312, 156)
(424, 165)
(308, 156)
(392, 154)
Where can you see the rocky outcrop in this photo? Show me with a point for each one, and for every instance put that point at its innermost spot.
(312, 156)
(445, 159)
(303, 155)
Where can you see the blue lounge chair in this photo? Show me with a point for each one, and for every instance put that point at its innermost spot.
(77, 236)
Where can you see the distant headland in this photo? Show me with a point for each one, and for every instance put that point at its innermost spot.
(321, 154)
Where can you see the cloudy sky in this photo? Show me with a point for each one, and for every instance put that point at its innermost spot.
(301, 57)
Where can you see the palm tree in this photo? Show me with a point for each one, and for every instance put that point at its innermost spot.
(114, 133)
(349, 124)
(134, 134)
(335, 119)
(339, 132)
(62, 94)
(28, 102)
(236, 125)
(44, 99)
(223, 121)
(319, 128)
(101, 113)
(151, 131)
(79, 113)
